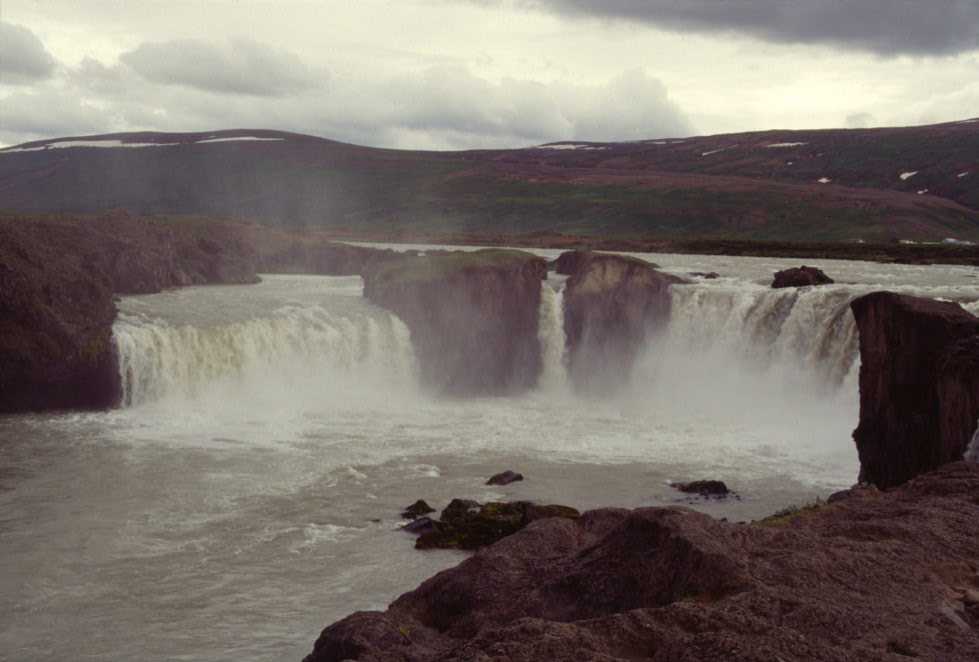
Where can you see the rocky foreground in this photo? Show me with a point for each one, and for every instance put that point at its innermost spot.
(871, 576)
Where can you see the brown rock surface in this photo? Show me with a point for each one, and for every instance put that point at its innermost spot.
(612, 304)
(877, 576)
(473, 316)
(58, 276)
(919, 385)
(800, 277)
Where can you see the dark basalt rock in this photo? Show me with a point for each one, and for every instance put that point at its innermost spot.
(473, 316)
(705, 488)
(505, 478)
(612, 305)
(919, 385)
(416, 510)
(800, 277)
(709, 275)
(419, 525)
(467, 524)
(859, 579)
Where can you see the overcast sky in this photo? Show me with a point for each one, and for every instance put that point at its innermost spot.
(483, 73)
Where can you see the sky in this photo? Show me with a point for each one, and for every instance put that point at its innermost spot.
(459, 74)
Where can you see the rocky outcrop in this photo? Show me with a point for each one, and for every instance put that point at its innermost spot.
(612, 305)
(919, 385)
(896, 577)
(800, 277)
(473, 316)
(282, 252)
(58, 276)
(705, 488)
(466, 524)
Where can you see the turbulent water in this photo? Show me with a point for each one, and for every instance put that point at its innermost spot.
(247, 492)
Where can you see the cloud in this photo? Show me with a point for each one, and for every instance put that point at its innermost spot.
(859, 121)
(23, 58)
(242, 66)
(887, 27)
(48, 113)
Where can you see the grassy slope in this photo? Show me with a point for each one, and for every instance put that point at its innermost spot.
(624, 190)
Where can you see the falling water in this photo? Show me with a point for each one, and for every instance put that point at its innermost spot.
(551, 334)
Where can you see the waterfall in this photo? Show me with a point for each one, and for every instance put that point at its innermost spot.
(808, 331)
(550, 331)
(159, 360)
(972, 450)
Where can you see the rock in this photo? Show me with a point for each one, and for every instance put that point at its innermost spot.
(709, 275)
(473, 316)
(919, 385)
(705, 488)
(466, 524)
(416, 510)
(570, 262)
(505, 478)
(674, 585)
(58, 281)
(419, 525)
(800, 277)
(612, 305)
(280, 252)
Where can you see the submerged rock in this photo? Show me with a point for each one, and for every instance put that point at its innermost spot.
(705, 488)
(859, 579)
(800, 277)
(419, 525)
(473, 316)
(505, 478)
(709, 275)
(919, 385)
(612, 305)
(416, 510)
(467, 524)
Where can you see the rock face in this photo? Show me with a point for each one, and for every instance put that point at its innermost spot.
(897, 578)
(612, 304)
(473, 316)
(281, 252)
(800, 277)
(416, 510)
(919, 385)
(58, 276)
(466, 524)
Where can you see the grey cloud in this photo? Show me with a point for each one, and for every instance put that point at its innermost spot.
(23, 58)
(49, 113)
(887, 27)
(243, 66)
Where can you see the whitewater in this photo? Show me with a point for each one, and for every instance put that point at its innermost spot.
(247, 491)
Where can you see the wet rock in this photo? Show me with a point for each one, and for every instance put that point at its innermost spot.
(800, 277)
(416, 510)
(612, 305)
(419, 525)
(919, 385)
(505, 478)
(705, 488)
(473, 316)
(674, 585)
(709, 275)
(467, 524)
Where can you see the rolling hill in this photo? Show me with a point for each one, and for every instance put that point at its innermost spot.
(914, 183)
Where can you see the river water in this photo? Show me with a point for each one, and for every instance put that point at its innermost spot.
(248, 492)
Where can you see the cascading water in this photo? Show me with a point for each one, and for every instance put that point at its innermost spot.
(551, 334)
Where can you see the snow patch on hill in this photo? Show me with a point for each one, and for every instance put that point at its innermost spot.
(907, 175)
(64, 144)
(238, 139)
(786, 145)
(963, 174)
(573, 146)
(824, 180)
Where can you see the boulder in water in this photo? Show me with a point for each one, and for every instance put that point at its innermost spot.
(419, 525)
(707, 275)
(473, 316)
(612, 305)
(800, 277)
(467, 524)
(919, 385)
(705, 488)
(505, 478)
(416, 510)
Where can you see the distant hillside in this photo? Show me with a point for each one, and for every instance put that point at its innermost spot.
(918, 183)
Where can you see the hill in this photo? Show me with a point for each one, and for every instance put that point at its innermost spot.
(915, 183)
